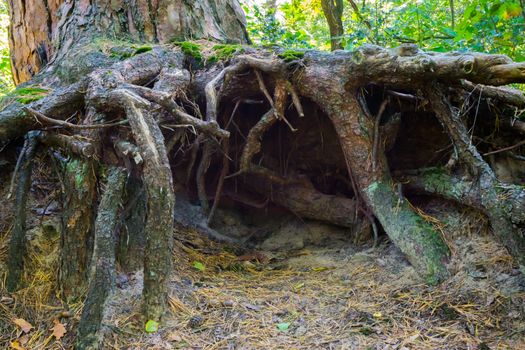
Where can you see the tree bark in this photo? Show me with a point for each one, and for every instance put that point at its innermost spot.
(79, 204)
(44, 31)
(102, 283)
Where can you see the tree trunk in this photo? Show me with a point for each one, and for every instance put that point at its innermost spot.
(333, 11)
(43, 31)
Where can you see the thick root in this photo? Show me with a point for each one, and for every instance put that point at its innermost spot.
(80, 198)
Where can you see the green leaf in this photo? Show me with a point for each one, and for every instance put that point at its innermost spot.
(199, 266)
(283, 326)
(152, 326)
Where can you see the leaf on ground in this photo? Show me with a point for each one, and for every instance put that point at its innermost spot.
(283, 326)
(319, 269)
(174, 337)
(16, 345)
(298, 286)
(199, 266)
(152, 326)
(23, 324)
(58, 330)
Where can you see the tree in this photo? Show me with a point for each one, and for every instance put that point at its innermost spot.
(134, 102)
(333, 11)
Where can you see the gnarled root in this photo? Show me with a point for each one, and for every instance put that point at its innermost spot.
(487, 186)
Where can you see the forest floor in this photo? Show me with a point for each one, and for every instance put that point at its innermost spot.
(304, 287)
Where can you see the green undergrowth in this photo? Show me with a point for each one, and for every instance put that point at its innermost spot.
(24, 95)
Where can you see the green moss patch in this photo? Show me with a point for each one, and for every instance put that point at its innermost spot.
(124, 52)
(291, 55)
(191, 49)
(223, 52)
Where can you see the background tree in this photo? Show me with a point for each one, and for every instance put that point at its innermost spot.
(333, 11)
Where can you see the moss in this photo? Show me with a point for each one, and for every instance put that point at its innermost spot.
(437, 180)
(124, 52)
(291, 55)
(190, 49)
(143, 49)
(24, 95)
(224, 52)
(416, 237)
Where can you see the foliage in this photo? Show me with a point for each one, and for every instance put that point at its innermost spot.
(151, 326)
(6, 82)
(265, 28)
(23, 95)
(495, 26)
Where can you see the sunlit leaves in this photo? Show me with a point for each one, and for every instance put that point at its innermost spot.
(481, 25)
(6, 83)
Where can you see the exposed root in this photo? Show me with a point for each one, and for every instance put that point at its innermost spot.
(41, 117)
(17, 244)
(102, 282)
(157, 178)
(71, 144)
(487, 185)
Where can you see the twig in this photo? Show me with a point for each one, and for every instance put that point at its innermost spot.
(521, 143)
(262, 86)
(376, 133)
(40, 117)
(295, 99)
(222, 177)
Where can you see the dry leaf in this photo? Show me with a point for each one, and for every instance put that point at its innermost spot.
(58, 329)
(174, 337)
(23, 324)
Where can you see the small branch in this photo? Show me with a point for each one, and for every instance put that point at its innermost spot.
(164, 99)
(403, 95)
(295, 99)
(201, 175)
(262, 86)
(507, 95)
